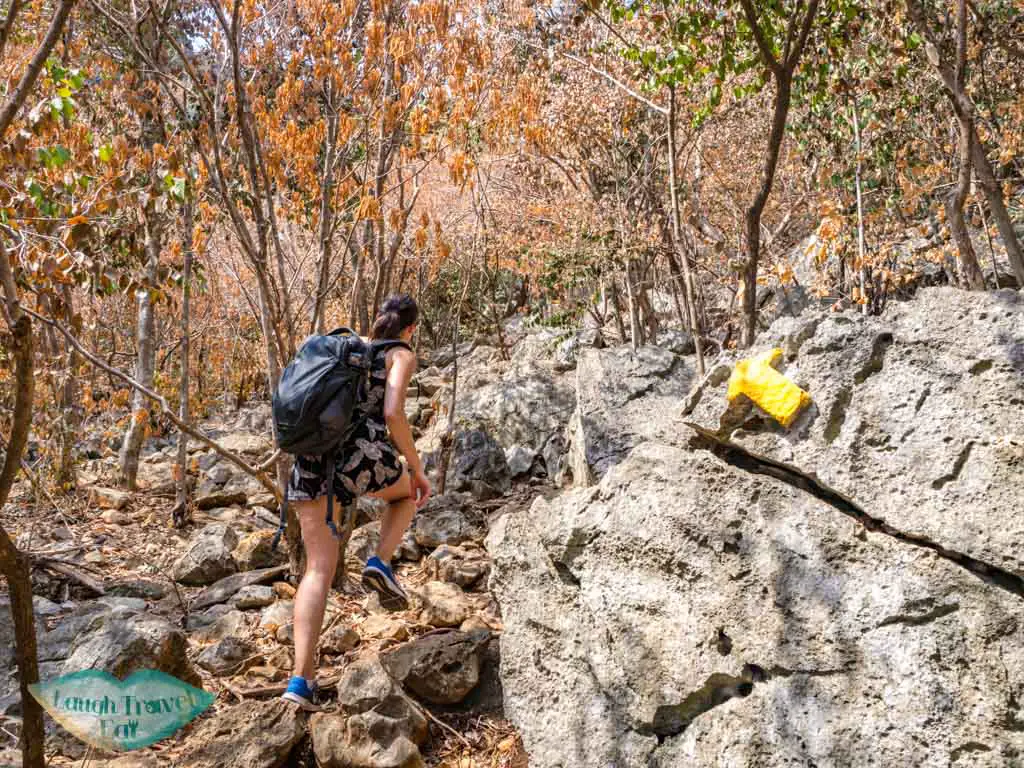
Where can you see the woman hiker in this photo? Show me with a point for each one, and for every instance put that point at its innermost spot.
(369, 465)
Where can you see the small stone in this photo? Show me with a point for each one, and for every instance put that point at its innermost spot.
(220, 474)
(226, 657)
(385, 628)
(208, 557)
(113, 517)
(464, 566)
(94, 557)
(286, 634)
(207, 461)
(109, 498)
(284, 590)
(441, 668)
(43, 607)
(231, 623)
(254, 551)
(254, 596)
(444, 605)
(278, 614)
(340, 639)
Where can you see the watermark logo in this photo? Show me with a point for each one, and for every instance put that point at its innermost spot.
(117, 714)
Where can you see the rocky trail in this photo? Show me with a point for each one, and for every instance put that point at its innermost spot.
(626, 570)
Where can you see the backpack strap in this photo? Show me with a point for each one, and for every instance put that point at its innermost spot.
(343, 330)
(282, 524)
(331, 461)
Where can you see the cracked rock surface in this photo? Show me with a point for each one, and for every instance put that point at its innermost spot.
(694, 608)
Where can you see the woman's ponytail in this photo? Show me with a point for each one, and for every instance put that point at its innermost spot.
(397, 313)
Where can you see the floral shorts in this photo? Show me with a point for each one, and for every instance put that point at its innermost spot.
(366, 463)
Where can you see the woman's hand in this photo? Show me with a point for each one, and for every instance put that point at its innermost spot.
(419, 488)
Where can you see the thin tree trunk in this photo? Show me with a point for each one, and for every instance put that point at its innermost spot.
(748, 328)
(994, 194)
(635, 329)
(71, 411)
(862, 266)
(617, 307)
(970, 271)
(132, 446)
(180, 514)
(692, 321)
(13, 564)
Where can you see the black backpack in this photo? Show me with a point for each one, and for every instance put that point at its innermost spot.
(314, 407)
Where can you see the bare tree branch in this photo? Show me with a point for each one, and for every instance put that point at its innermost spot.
(165, 409)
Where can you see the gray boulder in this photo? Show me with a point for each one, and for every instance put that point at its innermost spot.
(441, 668)
(444, 521)
(687, 611)
(121, 646)
(253, 734)
(917, 416)
(480, 466)
(226, 657)
(379, 726)
(623, 398)
(208, 557)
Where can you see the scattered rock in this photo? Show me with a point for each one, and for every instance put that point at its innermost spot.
(121, 646)
(284, 590)
(285, 634)
(254, 552)
(226, 657)
(520, 460)
(94, 557)
(385, 627)
(278, 615)
(246, 444)
(145, 589)
(113, 517)
(364, 542)
(227, 624)
(480, 465)
(464, 566)
(441, 668)
(109, 498)
(442, 521)
(207, 461)
(209, 495)
(253, 734)
(208, 557)
(341, 638)
(254, 596)
(444, 605)
(379, 725)
(408, 549)
(224, 589)
(220, 474)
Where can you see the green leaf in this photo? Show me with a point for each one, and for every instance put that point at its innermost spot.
(106, 153)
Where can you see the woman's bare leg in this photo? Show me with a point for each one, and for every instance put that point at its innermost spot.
(311, 597)
(401, 509)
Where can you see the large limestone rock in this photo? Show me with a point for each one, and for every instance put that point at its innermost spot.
(379, 725)
(522, 401)
(623, 398)
(441, 668)
(918, 416)
(480, 466)
(121, 646)
(254, 734)
(208, 557)
(690, 612)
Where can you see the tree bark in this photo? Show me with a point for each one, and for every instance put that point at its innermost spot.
(180, 514)
(970, 271)
(13, 564)
(70, 408)
(693, 322)
(782, 73)
(994, 194)
(748, 329)
(146, 343)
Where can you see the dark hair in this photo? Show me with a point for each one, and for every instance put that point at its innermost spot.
(397, 313)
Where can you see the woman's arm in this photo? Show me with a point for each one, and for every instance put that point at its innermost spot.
(403, 366)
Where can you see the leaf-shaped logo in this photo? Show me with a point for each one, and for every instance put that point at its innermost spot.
(121, 714)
